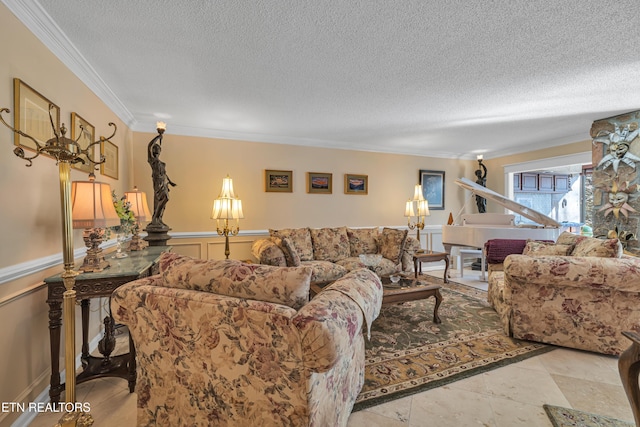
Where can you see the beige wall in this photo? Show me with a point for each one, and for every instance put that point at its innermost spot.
(30, 216)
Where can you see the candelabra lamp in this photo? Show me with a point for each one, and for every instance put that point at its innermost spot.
(66, 152)
(92, 209)
(138, 205)
(418, 207)
(227, 207)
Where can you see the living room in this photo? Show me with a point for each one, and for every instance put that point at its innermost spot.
(31, 230)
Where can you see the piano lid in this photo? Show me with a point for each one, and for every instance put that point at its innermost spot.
(514, 206)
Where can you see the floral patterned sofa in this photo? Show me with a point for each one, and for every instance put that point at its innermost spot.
(579, 292)
(227, 343)
(332, 252)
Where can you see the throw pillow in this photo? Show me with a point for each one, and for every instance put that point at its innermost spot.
(289, 251)
(363, 240)
(534, 248)
(392, 243)
(567, 238)
(330, 244)
(300, 238)
(591, 246)
(281, 285)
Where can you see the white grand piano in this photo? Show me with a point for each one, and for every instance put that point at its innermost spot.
(473, 230)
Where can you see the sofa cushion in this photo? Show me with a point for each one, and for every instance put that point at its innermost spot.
(363, 240)
(567, 238)
(496, 250)
(392, 243)
(290, 254)
(282, 285)
(300, 238)
(324, 271)
(590, 246)
(330, 244)
(384, 268)
(267, 252)
(536, 248)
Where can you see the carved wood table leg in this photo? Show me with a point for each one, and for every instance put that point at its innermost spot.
(629, 368)
(55, 322)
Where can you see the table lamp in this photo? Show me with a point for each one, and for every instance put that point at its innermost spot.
(138, 205)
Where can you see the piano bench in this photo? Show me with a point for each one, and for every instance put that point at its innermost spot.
(471, 253)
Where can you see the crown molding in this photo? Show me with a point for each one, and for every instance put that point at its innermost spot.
(38, 21)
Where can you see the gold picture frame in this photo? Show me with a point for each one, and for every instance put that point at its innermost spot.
(278, 181)
(356, 184)
(110, 166)
(319, 183)
(85, 133)
(31, 115)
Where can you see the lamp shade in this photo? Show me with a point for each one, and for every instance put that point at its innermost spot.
(417, 193)
(92, 205)
(227, 189)
(227, 209)
(423, 208)
(138, 204)
(408, 210)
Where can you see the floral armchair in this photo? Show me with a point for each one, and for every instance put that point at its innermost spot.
(227, 343)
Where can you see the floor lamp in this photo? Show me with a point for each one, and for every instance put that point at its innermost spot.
(227, 206)
(66, 152)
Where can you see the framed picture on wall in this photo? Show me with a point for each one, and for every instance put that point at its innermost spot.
(319, 183)
(277, 181)
(33, 114)
(433, 188)
(84, 133)
(110, 166)
(356, 184)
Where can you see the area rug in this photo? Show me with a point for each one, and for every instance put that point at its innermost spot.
(408, 353)
(565, 417)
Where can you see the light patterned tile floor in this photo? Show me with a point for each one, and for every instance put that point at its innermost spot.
(510, 396)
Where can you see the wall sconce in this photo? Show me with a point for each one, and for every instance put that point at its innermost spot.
(92, 209)
(227, 206)
(138, 205)
(66, 151)
(418, 207)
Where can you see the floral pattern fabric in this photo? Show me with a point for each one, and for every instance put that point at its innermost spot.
(209, 359)
(610, 248)
(330, 244)
(282, 285)
(363, 241)
(536, 248)
(300, 238)
(392, 243)
(577, 302)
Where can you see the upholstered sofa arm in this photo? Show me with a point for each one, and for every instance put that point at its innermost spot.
(622, 274)
(267, 252)
(330, 323)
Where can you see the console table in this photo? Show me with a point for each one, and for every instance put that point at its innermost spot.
(92, 285)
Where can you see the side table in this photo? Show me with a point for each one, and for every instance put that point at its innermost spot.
(430, 256)
(92, 285)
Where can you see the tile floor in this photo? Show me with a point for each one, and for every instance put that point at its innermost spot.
(505, 397)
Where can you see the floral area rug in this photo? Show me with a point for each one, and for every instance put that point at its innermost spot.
(408, 353)
(565, 417)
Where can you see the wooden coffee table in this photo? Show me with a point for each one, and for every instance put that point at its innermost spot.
(407, 289)
(430, 256)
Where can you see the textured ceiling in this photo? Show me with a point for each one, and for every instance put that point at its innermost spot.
(435, 78)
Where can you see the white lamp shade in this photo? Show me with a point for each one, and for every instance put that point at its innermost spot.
(417, 193)
(408, 210)
(92, 205)
(227, 209)
(227, 189)
(138, 204)
(423, 208)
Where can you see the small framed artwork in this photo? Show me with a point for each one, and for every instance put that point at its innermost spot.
(84, 133)
(319, 183)
(33, 114)
(110, 152)
(433, 188)
(356, 184)
(276, 181)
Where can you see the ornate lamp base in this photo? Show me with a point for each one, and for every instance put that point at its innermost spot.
(78, 419)
(136, 243)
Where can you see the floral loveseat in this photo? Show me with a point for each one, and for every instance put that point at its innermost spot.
(578, 292)
(332, 252)
(232, 344)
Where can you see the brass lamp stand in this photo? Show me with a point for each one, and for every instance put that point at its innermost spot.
(66, 152)
(227, 206)
(420, 211)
